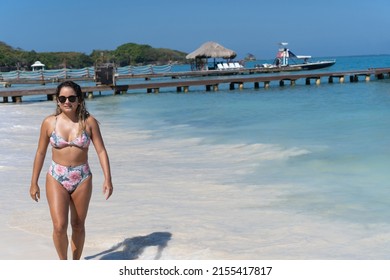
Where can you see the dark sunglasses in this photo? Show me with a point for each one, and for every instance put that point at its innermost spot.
(71, 98)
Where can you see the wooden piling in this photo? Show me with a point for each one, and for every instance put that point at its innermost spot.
(340, 77)
(380, 76)
(353, 78)
(17, 99)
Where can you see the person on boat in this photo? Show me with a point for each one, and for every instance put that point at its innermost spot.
(69, 179)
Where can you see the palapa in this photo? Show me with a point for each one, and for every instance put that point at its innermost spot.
(211, 50)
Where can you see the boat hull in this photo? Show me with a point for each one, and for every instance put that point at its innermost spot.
(315, 65)
(301, 66)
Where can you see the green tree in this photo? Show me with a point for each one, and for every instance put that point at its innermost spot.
(126, 54)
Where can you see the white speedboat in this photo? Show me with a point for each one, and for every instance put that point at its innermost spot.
(287, 59)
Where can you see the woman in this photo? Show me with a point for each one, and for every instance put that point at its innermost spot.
(69, 179)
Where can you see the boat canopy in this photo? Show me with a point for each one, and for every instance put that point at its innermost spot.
(288, 53)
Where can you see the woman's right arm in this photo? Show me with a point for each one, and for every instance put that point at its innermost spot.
(39, 159)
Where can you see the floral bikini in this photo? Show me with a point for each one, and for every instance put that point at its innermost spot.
(70, 177)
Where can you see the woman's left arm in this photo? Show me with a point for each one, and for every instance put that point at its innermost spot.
(101, 151)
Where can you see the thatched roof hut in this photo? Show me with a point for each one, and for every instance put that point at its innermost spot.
(212, 50)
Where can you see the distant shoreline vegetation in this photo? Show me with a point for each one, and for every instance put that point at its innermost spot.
(127, 54)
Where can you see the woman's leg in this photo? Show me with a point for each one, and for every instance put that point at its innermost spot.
(78, 213)
(59, 200)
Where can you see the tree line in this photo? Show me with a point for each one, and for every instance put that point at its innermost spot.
(126, 54)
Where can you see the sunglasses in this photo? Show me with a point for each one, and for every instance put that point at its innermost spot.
(71, 98)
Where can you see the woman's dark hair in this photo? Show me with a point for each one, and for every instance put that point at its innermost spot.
(81, 112)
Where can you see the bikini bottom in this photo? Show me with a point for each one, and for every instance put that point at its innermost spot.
(69, 177)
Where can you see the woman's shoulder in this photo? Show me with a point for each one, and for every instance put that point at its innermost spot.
(49, 120)
(92, 122)
(48, 123)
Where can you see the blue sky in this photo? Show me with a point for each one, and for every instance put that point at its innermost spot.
(319, 28)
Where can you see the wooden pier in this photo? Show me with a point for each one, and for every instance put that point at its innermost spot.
(211, 83)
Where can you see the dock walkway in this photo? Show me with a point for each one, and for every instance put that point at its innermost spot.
(184, 80)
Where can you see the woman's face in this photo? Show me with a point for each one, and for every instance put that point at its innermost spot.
(68, 100)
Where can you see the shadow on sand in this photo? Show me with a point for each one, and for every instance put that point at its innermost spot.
(135, 246)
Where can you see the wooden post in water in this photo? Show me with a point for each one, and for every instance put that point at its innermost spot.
(256, 85)
(353, 78)
(380, 76)
(318, 81)
(17, 99)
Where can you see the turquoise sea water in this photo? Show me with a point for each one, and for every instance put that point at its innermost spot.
(340, 133)
(321, 151)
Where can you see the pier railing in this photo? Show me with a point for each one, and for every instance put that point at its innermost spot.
(47, 75)
(19, 76)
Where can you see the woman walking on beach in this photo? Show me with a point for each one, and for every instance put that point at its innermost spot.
(69, 179)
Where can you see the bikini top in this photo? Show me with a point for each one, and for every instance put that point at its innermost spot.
(58, 142)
